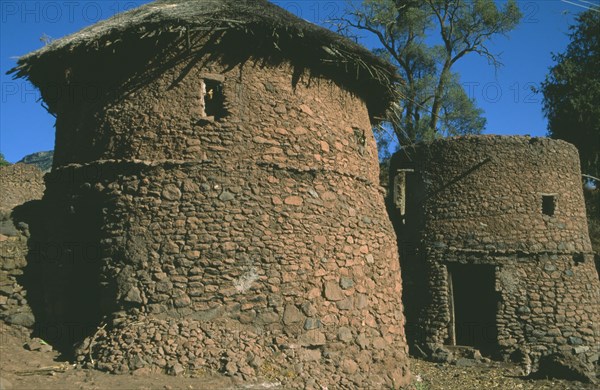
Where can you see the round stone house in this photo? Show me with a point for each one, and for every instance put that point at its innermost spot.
(214, 200)
(495, 251)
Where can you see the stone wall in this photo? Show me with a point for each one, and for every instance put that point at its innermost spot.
(479, 200)
(14, 308)
(19, 184)
(314, 124)
(254, 244)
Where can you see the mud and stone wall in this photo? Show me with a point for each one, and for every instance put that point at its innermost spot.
(14, 308)
(516, 204)
(19, 184)
(255, 243)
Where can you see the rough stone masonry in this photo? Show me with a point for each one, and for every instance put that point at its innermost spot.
(497, 224)
(218, 212)
(19, 183)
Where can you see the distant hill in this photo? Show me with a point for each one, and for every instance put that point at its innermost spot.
(42, 160)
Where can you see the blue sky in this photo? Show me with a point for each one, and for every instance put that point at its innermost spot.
(505, 95)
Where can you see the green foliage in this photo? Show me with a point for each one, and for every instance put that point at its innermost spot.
(3, 161)
(433, 103)
(572, 92)
(458, 114)
(421, 386)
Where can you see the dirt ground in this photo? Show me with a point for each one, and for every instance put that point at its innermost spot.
(24, 369)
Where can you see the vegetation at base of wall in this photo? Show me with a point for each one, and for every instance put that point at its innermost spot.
(421, 386)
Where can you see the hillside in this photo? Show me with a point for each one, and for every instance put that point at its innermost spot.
(42, 160)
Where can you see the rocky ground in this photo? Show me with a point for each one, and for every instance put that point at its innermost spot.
(494, 375)
(41, 368)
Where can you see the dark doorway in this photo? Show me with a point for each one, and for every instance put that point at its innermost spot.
(473, 306)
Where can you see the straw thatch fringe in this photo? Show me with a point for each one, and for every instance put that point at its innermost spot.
(268, 29)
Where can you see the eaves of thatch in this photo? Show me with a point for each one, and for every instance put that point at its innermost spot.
(264, 27)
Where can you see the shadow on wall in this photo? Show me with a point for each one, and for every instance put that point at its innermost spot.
(65, 252)
(146, 60)
(592, 205)
(65, 259)
(63, 269)
(406, 215)
(65, 249)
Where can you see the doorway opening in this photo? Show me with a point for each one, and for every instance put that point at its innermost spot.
(473, 305)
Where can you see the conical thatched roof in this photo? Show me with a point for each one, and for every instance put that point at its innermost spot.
(256, 20)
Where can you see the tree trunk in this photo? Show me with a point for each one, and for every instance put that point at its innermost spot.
(409, 130)
(437, 98)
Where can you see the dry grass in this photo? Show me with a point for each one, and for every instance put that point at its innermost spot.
(495, 375)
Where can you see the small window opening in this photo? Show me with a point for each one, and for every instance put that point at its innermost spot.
(548, 204)
(213, 99)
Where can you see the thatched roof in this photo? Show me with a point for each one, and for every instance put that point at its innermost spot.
(257, 20)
